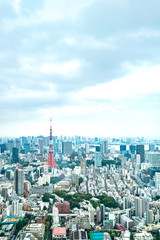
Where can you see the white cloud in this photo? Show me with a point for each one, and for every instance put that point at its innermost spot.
(54, 10)
(90, 42)
(145, 33)
(49, 65)
(61, 9)
(15, 93)
(16, 5)
(141, 82)
(69, 68)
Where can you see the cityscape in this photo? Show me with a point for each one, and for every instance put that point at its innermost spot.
(79, 120)
(79, 188)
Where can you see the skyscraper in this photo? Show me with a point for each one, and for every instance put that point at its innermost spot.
(122, 148)
(41, 145)
(140, 206)
(26, 148)
(66, 148)
(157, 180)
(19, 181)
(10, 145)
(83, 166)
(151, 147)
(15, 155)
(132, 149)
(105, 146)
(140, 151)
(18, 144)
(98, 159)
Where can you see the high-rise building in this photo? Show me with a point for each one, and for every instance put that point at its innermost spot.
(26, 148)
(10, 145)
(126, 202)
(18, 144)
(41, 145)
(157, 180)
(97, 148)
(102, 208)
(98, 159)
(66, 148)
(153, 158)
(140, 206)
(104, 146)
(75, 179)
(149, 216)
(122, 148)
(87, 148)
(19, 181)
(151, 147)
(16, 208)
(132, 148)
(3, 147)
(83, 166)
(15, 155)
(140, 151)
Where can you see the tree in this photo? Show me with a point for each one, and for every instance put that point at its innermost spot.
(44, 208)
(80, 180)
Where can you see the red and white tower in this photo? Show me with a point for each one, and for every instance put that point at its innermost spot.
(51, 160)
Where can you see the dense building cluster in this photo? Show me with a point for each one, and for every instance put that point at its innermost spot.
(99, 189)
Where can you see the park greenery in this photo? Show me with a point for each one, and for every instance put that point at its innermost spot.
(48, 196)
(54, 180)
(77, 198)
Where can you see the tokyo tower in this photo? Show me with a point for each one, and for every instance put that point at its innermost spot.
(51, 160)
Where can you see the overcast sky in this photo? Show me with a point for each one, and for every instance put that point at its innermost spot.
(93, 65)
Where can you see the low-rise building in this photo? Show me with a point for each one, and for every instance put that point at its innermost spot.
(59, 233)
(36, 229)
(143, 236)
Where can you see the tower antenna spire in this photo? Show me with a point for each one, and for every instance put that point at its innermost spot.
(51, 160)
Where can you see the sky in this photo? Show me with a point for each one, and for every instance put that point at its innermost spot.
(94, 66)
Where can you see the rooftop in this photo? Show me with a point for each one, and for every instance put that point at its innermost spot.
(59, 231)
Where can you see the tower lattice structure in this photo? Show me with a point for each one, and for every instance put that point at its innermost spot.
(51, 160)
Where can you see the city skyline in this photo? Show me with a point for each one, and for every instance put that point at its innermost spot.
(93, 66)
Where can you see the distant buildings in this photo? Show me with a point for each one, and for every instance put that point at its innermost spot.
(132, 148)
(140, 206)
(98, 159)
(19, 181)
(26, 148)
(104, 146)
(157, 180)
(153, 158)
(140, 151)
(83, 166)
(66, 148)
(15, 155)
(122, 148)
(41, 145)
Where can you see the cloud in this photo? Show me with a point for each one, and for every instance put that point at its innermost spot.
(16, 5)
(59, 10)
(144, 82)
(66, 69)
(144, 33)
(92, 64)
(89, 42)
(52, 11)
